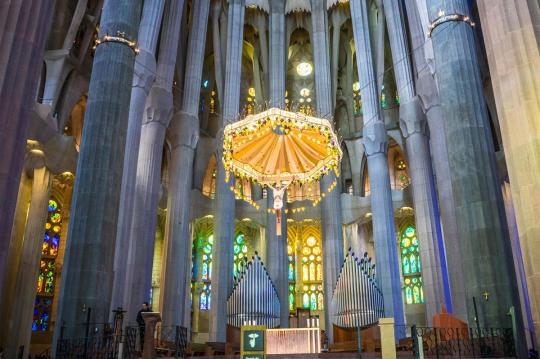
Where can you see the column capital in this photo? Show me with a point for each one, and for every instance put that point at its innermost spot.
(64, 179)
(184, 130)
(375, 139)
(35, 156)
(412, 118)
(145, 70)
(159, 106)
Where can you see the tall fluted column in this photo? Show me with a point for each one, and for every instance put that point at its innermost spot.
(143, 78)
(222, 252)
(414, 128)
(157, 116)
(277, 260)
(332, 233)
(483, 235)
(89, 260)
(22, 43)
(184, 137)
(376, 147)
(21, 312)
(426, 89)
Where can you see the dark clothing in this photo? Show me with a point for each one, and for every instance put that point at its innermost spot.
(140, 322)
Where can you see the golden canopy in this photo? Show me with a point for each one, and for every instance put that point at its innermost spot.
(277, 148)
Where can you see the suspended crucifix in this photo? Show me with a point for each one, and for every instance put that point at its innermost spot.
(277, 149)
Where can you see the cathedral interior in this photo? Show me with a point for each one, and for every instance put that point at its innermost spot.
(117, 141)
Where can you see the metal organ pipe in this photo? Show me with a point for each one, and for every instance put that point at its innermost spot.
(253, 299)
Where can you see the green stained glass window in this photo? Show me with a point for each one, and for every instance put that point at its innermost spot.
(411, 267)
(240, 250)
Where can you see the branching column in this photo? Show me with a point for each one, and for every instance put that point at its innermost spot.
(184, 137)
(157, 116)
(332, 233)
(27, 274)
(143, 78)
(25, 27)
(376, 147)
(222, 252)
(89, 260)
(414, 128)
(277, 245)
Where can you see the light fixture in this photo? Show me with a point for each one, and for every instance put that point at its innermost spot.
(309, 99)
(356, 86)
(251, 92)
(304, 92)
(304, 69)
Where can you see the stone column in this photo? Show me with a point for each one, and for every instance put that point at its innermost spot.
(427, 90)
(332, 232)
(157, 116)
(143, 78)
(483, 235)
(376, 147)
(89, 260)
(22, 43)
(20, 320)
(222, 253)
(277, 259)
(512, 44)
(414, 128)
(184, 137)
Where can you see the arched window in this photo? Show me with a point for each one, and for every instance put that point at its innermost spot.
(202, 263)
(357, 99)
(292, 276)
(312, 274)
(47, 269)
(240, 253)
(411, 266)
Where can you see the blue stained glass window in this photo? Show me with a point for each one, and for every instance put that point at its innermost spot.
(45, 287)
(313, 302)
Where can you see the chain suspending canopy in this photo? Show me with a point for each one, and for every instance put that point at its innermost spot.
(277, 148)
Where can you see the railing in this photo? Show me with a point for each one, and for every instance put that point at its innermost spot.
(169, 341)
(462, 342)
(98, 347)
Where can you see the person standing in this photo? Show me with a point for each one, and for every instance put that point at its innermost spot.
(140, 321)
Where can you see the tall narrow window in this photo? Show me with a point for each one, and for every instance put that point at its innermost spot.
(202, 267)
(47, 267)
(312, 274)
(411, 266)
(240, 253)
(292, 277)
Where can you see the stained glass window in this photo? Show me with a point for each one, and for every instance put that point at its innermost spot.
(47, 268)
(313, 297)
(411, 266)
(384, 99)
(204, 301)
(202, 265)
(292, 276)
(240, 250)
(357, 99)
(312, 274)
